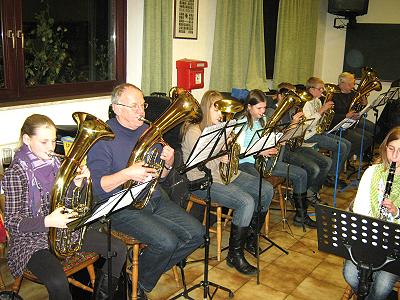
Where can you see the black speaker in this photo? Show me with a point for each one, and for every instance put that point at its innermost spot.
(348, 7)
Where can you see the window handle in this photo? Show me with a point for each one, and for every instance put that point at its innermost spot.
(10, 34)
(20, 35)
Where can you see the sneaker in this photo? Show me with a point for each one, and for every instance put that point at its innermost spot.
(315, 199)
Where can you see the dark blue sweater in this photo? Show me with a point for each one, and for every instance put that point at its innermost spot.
(107, 157)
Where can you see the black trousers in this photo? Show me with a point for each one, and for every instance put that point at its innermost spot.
(47, 268)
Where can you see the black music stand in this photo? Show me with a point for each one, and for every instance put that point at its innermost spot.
(278, 135)
(208, 147)
(371, 244)
(102, 212)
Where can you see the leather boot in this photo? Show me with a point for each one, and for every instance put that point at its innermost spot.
(301, 216)
(100, 291)
(235, 256)
(251, 240)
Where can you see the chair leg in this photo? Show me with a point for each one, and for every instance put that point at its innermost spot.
(266, 223)
(176, 275)
(135, 270)
(189, 206)
(348, 293)
(16, 284)
(219, 232)
(92, 274)
(228, 217)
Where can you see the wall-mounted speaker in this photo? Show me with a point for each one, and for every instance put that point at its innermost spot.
(348, 8)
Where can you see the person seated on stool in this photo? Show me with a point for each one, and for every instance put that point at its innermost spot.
(27, 184)
(342, 101)
(307, 157)
(314, 109)
(169, 232)
(257, 116)
(368, 201)
(241, 194)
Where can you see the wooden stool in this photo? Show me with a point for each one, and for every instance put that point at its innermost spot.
(218, 211)
(277, 183)
(134, 270)
(71, 265)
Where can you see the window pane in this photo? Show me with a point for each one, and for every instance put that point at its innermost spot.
(2, 84)
(68, 41)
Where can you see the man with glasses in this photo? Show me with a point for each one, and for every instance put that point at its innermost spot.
(168, 231)
(342, 103)
(314, 109)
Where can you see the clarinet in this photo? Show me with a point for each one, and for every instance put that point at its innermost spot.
(383, 211)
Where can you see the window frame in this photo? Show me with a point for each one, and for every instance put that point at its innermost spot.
(15, 91)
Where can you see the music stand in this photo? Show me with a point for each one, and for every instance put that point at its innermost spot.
(371, 244)
(208, 147)
(103, 210)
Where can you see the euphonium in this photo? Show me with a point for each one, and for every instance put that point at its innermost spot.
(369, 82)
(65, 242)
(290, 99)
(327, 117)
(296, 142)
(383, 211)
(226, 170)
(184, 107)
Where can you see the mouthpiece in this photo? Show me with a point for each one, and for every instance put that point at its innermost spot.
(141, 118)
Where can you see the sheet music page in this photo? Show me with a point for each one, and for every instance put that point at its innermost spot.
(265, 142)
(207, 141)
(128, 198)
(344, 124)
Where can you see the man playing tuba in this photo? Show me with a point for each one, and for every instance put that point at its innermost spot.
(169, 232)
(342, 101)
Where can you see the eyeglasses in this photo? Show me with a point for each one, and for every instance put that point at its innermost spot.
(393, 149)
(135, 106)
(321, 89)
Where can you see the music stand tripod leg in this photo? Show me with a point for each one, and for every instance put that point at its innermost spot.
(205, 283)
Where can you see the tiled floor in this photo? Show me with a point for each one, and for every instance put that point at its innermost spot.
(305, 273)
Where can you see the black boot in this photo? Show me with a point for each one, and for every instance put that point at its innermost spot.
(235, 256)
(251, 240)
(100, 291)
(301, 218)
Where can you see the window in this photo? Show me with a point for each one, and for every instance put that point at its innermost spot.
(61, 48)
(270, 9)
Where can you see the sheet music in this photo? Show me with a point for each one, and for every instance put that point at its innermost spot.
(265, 142)
(344, 124)
(128, 198)
(208, 135)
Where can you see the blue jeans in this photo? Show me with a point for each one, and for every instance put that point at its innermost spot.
(241, 195)
(330, 142)
(382, 285)
(297, 176)
(169, 232)
(316, 164)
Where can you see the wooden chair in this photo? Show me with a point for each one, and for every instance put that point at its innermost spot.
(218, 211)
(133, 270)
(349, 293)
(71, 265)
(277, 184)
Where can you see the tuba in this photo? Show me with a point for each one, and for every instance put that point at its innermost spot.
(226, 170)
(65, 242)
(326, 120)
(369, 82)
(184, 107)
(290, 100)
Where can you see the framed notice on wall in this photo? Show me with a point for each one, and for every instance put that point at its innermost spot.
(185, 19)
